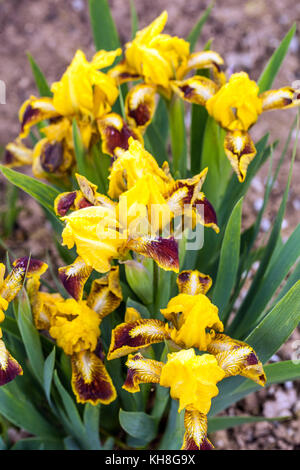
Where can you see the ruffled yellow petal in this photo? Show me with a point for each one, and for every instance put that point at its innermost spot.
(75, 326)
(131, 166)
(236, 105)
(94, 231)
(192, 316)
(85, 90)
(192, 379)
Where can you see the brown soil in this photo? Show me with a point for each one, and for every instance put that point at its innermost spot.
(245, 34)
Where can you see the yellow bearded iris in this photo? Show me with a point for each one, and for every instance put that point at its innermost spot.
(192, 379)
(192, 317)
(84, 89)
(84, 92)
(236, 106)
(156, 56)
(75, 326)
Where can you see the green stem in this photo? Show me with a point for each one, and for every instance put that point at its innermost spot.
(178, 136)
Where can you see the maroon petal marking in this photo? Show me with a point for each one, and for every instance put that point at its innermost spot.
(64, 202)
(52, 157)
(74, 277)
(116, 138)
(132, 336)
(210, 216)
(141, 114)
(8, 158)
(32, 266)
(163, 250)
(29, 114)
(206, 445)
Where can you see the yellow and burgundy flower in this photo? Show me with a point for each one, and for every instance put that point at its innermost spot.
(193, 319)
(85, 93)
(134, 166)
(193, 382)
(236, 106)
(160, 59)
(75, 325)
(110, 230)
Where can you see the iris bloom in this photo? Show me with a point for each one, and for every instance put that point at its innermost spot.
(84, 93)
(135, 164)
(160, 61)
(236, 106)
(193, 323)
(107, 230)
(148, 200)
(9, 288)
(75, 325)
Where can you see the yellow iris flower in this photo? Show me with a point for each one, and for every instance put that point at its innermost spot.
(85, 93)
(236, 106)
(75, 325)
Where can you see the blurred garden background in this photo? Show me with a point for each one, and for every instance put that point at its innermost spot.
(245, 34)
